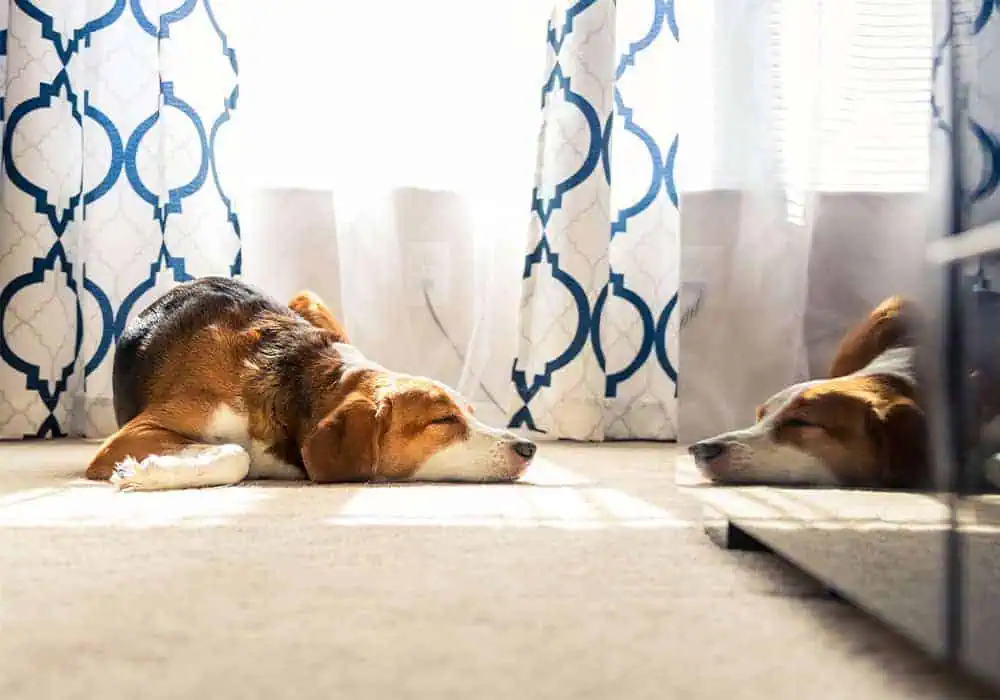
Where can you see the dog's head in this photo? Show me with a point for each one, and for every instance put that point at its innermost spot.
(847, 431)
(403, 428)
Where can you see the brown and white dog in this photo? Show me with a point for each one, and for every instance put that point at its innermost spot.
(862, 427)
(215, 382)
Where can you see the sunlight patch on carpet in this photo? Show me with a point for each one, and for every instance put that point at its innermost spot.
(99, 505)
(548, 496)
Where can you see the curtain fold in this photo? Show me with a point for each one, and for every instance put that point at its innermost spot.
(117, 182)
(598, 320)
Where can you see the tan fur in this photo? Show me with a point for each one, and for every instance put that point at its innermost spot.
(138, 439)
(868, 430)
(411, 436)
(339, 441)
(184, 395)
(382, 421)
(863, 428)
(885, 327)
(310, 307)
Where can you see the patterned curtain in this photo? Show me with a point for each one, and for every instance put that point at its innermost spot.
(115, 184)
(596, 357)
(967, 34)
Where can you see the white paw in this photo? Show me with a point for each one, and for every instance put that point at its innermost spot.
(193, 467)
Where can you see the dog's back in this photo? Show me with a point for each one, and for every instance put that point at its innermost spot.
(178, 314)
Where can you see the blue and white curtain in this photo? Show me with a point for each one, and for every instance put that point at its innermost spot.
(598, 321)
(115, 184)
(967, 74)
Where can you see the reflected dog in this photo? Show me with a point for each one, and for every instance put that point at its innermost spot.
(862, 427)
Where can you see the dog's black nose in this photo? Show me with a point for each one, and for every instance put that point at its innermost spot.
(524, 448)
(707, 450)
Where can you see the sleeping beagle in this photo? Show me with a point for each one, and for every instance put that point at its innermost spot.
(215, 383)
(861, 427)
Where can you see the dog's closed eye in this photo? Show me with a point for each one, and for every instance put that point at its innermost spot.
(798, 422)
(446, 420)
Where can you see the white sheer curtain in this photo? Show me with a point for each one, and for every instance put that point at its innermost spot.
(804, 176)
(390, 156)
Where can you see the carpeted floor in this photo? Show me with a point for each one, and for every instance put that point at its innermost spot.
(595, 582)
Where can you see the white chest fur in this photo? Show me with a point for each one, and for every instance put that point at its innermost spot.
(229, 426)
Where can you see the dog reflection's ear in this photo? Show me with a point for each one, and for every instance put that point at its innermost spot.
(344, 447)
(888, 325)
(904, 445)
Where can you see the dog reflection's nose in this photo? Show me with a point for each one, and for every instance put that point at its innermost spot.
(524, 449)
(707, 450)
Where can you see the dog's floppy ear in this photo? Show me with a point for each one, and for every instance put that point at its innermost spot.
(344, 447)
(904, 445)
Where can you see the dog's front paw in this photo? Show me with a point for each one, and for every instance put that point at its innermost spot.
(132, 475)
(195, 466)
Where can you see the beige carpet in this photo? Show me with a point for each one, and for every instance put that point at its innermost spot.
(596, 582)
